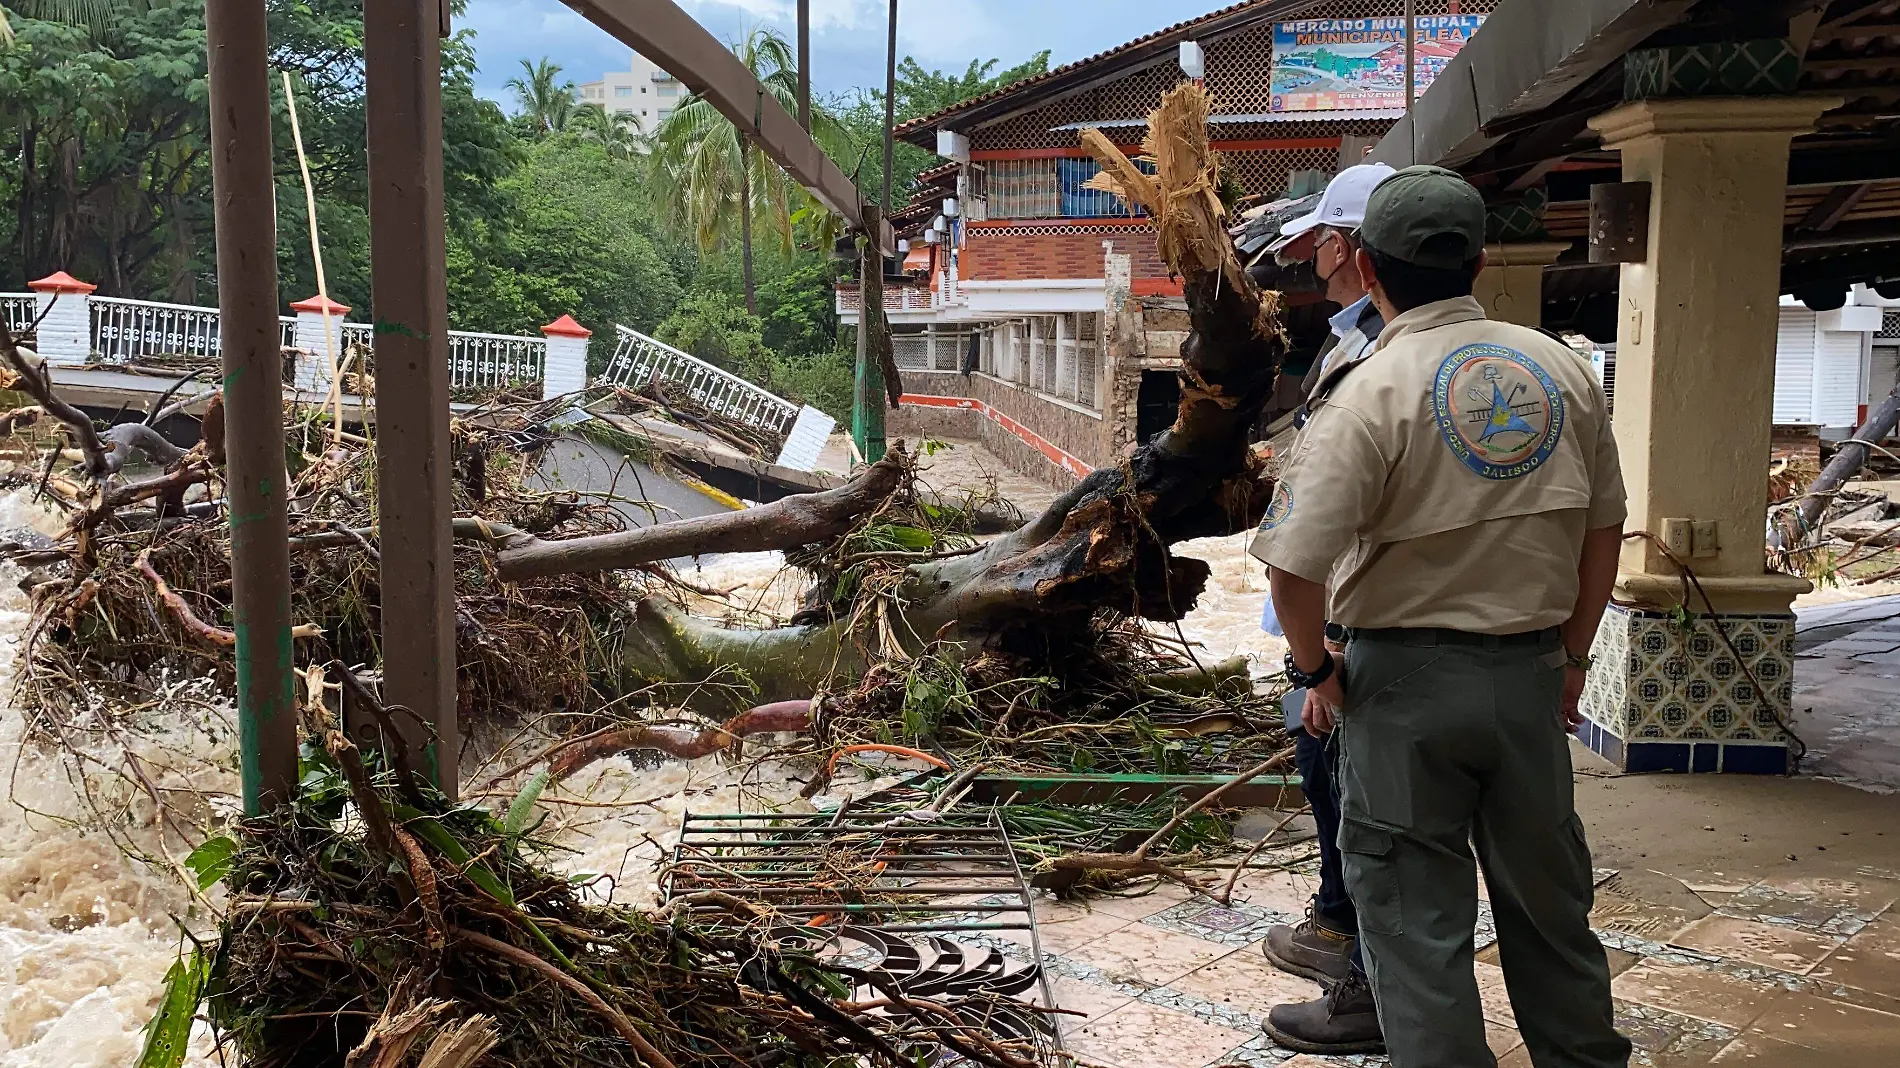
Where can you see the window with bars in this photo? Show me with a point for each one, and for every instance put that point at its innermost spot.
(1023, 189)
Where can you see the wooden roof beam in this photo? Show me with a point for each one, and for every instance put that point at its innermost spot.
(1833, 207)
(662, 32)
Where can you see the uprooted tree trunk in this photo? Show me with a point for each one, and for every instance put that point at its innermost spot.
(1102, 545)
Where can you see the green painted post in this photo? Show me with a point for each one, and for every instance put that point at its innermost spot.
(242, 183)
(867, 397)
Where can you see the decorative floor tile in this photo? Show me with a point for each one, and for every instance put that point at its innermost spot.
(1829, 911)
(1771, 947)
(1078, 996)
(1139, 1035)
(1869, 960)
(1284, 892)
(1063, 928)
(1664, 1039)
(1870, 896)
(1493, 995)
(1147, 955)
(1236, 925)
(1142, 904)
(1760, 1051)
(1502, 1040)
(1845, 1034)
(1694, 992)
(1247, 981)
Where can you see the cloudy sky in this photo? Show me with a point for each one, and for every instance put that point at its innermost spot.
(847, 35)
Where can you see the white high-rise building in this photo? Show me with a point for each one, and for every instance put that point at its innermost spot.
(645, 91)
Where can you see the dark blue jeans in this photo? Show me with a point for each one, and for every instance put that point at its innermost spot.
(1318, 760)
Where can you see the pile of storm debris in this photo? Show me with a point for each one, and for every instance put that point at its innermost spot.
(376, 919)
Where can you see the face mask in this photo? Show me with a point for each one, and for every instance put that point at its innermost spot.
(1327, 278)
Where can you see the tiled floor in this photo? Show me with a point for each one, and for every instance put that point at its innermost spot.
(1780, 973)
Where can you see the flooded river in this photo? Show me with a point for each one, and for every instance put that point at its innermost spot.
(86, 934)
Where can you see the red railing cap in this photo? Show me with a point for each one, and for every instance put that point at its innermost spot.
(565, 326)
(320, 304)
(60, 282)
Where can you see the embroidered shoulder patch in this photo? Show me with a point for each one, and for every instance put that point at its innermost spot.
(1498, 411)
(1279, 508)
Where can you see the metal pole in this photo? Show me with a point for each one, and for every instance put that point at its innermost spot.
(890, 113)
(409, 294)
(243, 196)
(1411, 80)
(804, 64)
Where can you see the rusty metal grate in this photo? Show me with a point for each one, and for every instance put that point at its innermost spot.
(923, 903)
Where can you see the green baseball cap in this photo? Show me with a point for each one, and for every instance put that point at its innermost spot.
(1417, 204)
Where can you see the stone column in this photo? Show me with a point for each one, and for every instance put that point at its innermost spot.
(1676, 690)
(1511, 286)
(566, 368)
(319, 342)
(65, 310)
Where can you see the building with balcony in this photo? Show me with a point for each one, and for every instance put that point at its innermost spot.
(1038, 317)
(644, 91)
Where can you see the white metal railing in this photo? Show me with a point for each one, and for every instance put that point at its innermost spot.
(287, 331)
(478, 361)
(639, 359)
(18, 310)
(125, 329)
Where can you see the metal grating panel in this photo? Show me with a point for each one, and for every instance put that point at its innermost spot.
(914, 901)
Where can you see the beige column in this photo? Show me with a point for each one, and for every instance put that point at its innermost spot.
(1695, 357)
(1511, 286)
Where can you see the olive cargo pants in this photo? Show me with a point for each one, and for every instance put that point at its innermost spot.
(1450, 740)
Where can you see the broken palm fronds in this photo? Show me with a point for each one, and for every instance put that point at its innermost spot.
(1101, 710)
(1143, 860)
(332, 944)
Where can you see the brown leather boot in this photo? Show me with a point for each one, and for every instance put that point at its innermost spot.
(1309, 950)
(1344, 1021)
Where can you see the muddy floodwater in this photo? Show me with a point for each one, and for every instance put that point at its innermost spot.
(86, 933)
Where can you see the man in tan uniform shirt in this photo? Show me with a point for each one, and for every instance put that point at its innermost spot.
(1461, 491)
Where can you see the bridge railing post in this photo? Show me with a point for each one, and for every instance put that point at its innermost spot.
(565, 368)
(319, 341)
(65, 331)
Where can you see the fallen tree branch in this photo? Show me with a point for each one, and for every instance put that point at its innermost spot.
(20, 418)
(38, 384)
(786, 523)
(623, 1026)
(681, 744)
(183, 613)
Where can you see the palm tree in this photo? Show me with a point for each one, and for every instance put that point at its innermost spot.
(91, 14)
(547, 103)
(618, 131)
(705, 173)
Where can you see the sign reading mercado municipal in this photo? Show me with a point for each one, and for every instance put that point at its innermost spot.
(1359, 64)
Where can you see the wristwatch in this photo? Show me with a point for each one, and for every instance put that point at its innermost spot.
(1580, 661)
(1307, 681)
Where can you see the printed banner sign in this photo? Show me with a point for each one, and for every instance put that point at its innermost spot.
(1359, 64)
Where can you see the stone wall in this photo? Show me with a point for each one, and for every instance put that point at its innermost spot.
(998, 404)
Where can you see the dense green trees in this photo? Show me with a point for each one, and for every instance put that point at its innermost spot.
(561, 208)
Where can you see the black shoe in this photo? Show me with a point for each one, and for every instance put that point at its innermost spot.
(1344, 1021)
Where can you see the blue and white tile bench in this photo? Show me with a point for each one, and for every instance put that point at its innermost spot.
(1663, 696)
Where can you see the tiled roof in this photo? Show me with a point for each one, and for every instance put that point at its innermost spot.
(1020, 257)
(927, 121)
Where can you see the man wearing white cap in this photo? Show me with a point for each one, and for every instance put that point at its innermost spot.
(1322, 947)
